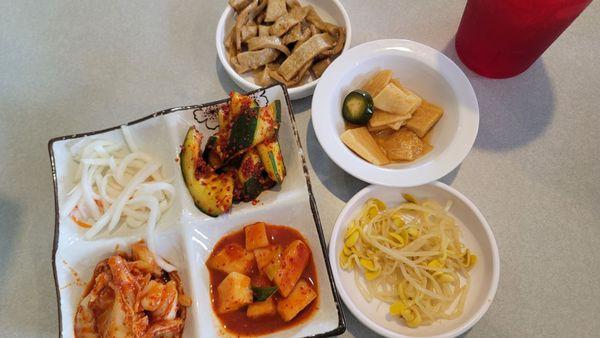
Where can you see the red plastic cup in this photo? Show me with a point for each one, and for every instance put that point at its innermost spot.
(502, 38)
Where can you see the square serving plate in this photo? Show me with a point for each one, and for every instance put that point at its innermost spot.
(186, 236)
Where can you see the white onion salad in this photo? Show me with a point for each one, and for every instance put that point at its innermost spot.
(115, 185)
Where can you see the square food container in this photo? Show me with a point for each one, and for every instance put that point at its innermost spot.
(185, 235)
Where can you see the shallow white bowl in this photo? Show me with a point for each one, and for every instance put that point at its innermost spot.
(476, 235)
(424, 70)
(330, 10)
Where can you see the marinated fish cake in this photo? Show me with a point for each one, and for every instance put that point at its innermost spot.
(264, 33)
(275, 9)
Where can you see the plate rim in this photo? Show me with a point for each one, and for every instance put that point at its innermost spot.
(383, 175)
(341, 328)
(487, 229)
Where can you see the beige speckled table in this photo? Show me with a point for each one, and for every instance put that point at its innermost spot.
(73, 66)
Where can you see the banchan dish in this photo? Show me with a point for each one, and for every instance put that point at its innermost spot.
(185, 235)
(475, 233)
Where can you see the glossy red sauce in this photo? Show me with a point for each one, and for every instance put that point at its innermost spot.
(236, 322)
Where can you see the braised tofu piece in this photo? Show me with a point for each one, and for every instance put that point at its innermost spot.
(256, 236)
(260, 309)
(424, 118)
(404, 145)
(293, 261)
(300, 297)
(232, 258)
(234, 292)
(264, 256)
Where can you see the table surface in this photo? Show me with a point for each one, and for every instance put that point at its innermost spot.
(534, 172)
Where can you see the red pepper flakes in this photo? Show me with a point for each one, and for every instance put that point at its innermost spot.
(226, 108)
(252, 112)
(76, 278)
(80, 222)
(202, 169)
(249, 168)
(100, 205)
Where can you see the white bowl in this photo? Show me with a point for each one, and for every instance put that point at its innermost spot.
(330, 10)
(427, 72)
(476, 235)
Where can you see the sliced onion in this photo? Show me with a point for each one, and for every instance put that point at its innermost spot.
(126, 162)
(72, 201)
(152, 204)
(88, 194)
(129, 186)
(129, 139)
(127, 192)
